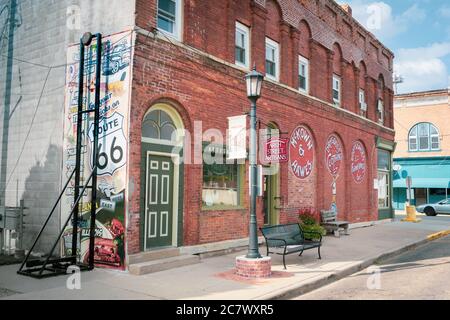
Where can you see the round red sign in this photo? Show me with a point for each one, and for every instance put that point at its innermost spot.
(301, 152)
(358, 165)
(333, 154)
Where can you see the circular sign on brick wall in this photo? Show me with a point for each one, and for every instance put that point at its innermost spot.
(333, 154)
(301, 152)
(358, 161)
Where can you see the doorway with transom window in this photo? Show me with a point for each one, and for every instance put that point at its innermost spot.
(161, 178)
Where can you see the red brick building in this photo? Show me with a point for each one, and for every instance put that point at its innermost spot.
(325, 76)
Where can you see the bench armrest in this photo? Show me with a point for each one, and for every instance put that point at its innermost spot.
(275, 239)
(306, 233)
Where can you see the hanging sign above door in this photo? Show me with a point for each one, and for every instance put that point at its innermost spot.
(276, 150)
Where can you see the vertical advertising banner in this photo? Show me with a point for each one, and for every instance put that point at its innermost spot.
(237, 137)
(113, 148)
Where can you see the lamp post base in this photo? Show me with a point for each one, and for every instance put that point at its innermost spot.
(254, 268)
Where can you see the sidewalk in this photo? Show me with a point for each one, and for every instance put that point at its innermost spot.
(213, 277)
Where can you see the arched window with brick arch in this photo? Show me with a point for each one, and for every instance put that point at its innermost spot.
(304, 53)
(273, 41)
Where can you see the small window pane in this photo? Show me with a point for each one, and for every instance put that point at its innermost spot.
(335, 94)
(384, 160)
(270, 68)
(434, 143)
(270, 54)
(150, 130)
(423, 143)
(413, 144)
(167, 5)
(423, 130)
(302, 82)
(433, 130)
(158, 125)
(240, 55)
(413, 132)
(167, 133)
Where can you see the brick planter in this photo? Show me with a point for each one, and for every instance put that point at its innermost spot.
(253, 268)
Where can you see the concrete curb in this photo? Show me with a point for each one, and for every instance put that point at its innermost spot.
(438, 235)
(323, 280)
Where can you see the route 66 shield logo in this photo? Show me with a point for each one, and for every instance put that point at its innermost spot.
(112, 144)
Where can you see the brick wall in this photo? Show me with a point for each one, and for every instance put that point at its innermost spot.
(205, 89)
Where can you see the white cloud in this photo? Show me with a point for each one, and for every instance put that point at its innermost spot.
(423, 68)
(379, 19)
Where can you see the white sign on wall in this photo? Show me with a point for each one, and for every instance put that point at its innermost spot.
(237, 137)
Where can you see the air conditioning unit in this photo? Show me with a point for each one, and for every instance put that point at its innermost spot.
(363, 106)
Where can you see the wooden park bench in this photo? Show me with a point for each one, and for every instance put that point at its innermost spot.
(290, 238)
(330, 223)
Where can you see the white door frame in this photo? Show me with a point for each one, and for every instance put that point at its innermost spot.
(176, 185)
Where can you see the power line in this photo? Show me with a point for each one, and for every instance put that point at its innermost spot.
(29, 129)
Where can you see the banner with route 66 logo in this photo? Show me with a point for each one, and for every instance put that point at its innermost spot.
(113, 148)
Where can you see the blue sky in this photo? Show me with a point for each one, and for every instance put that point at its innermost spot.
(418, 32)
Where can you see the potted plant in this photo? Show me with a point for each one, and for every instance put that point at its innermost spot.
(309, 223)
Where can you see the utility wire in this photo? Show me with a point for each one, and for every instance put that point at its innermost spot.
(29, 129)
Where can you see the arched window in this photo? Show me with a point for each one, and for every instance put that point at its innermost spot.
(158, 125)
(424, 137)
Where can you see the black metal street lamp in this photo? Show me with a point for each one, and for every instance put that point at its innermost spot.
(254, 81)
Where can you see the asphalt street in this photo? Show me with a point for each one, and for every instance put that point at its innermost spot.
(420, 274)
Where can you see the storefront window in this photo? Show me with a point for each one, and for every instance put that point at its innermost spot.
(384, 167)
(221, 182)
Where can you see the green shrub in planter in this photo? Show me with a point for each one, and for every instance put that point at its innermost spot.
(309, 224)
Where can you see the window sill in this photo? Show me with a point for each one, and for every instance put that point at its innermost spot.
(424, 151)
(222, 208)
(242, 66)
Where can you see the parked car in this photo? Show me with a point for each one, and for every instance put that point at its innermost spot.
(442, 207)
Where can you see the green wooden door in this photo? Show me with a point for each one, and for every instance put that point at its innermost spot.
(270, 194)
(159, 201)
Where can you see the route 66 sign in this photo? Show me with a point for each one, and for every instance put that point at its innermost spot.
(112, 144)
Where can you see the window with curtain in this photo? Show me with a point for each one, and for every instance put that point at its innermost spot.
(221, 180)
(424, 137)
